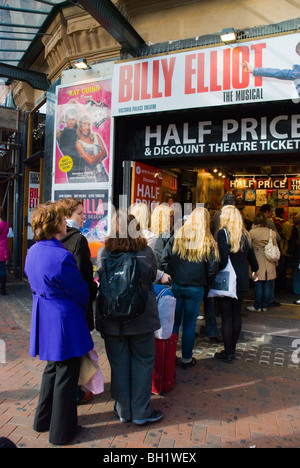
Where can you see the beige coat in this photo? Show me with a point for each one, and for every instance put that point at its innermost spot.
(260, 238)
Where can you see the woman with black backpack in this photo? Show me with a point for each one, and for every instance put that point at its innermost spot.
(127, 316)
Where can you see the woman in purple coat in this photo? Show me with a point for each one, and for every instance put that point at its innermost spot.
(4, 251)
(59, 331)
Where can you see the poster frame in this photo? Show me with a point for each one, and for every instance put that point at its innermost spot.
(111, 139)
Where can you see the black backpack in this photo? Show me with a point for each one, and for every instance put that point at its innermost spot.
(120, 296)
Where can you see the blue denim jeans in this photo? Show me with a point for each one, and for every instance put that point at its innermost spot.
(263, 294)
(188, 301)
(210, 317)
(2, 269)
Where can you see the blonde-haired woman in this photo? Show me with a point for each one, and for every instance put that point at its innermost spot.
(92, 150)
(234, 242)
(141, 212)
(162, 225)
(191, 258)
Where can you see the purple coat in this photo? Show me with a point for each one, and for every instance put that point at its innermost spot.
(59, 329)
(4, 252)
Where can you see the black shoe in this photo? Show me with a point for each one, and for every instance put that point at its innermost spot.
(275, 304)
(215, 339)
(3, 285)
(156, 415)
(123, 420)
(187, 365)
(222, 356)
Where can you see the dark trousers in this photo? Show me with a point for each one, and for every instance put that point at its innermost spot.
(231, 317)
(132, 360)
(57, 407)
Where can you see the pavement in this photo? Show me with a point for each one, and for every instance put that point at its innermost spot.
(252, 403)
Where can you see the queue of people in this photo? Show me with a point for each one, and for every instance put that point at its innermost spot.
(188, 258)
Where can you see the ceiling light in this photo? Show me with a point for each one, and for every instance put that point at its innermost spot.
(81, 64)
(228, 35)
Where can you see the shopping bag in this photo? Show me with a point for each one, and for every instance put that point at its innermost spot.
(225, 283)
(88, 369)
(166, 304)
(96, 383)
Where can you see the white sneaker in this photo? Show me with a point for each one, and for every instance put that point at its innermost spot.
(264, 310)
(252, 309)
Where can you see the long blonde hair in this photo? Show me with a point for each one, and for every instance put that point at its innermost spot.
(141, 212)
(232, 220)
(194, 240)
(161, 220)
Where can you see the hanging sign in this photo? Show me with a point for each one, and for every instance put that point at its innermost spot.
(251, 130)
(146, 185)
(257, 71)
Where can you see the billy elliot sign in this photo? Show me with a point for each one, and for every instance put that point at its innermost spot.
(257, 71)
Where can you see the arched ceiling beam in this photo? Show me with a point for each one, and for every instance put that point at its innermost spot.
(35, 79)
(111, 19)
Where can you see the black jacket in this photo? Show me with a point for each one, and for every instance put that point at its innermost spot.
(160, 244)
(188, 273)
(77, 244)
(240, 260)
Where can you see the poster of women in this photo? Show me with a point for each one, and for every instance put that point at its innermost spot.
(96, 211)
(82, 140)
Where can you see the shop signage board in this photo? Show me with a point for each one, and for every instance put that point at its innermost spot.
(253, 192)
(146, 186)
(215, 76)
(252, 129)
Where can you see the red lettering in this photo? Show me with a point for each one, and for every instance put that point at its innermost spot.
(34, 193)
(226, 69)
(239, 55)
(200, 79)
(155, 85)
(189, 71)
(137, 80)
(144, 90)
(214, 86)
(168, 75)
(125, 84)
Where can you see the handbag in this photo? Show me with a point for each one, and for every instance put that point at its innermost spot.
(166, 304)
(272, 252)
(88, 368)
(225, 281)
